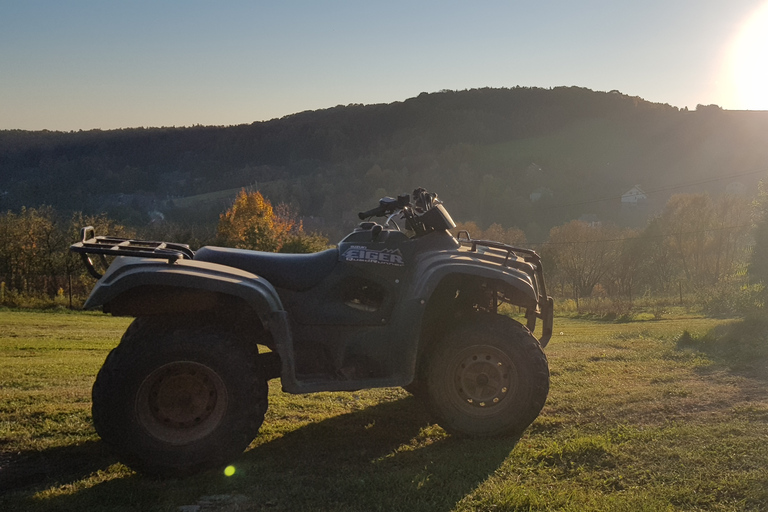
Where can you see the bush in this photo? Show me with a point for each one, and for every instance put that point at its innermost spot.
(15, 299)
(727, 300)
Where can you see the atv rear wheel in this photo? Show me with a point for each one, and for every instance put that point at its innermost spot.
(177, 396)
(487, 378)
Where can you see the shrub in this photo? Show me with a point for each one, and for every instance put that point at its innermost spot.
(727, 300)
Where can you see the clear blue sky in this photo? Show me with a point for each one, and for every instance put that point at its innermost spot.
(68, 65)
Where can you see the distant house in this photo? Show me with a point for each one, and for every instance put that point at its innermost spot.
(156, 216)
(539, 194)
(736, 188)
(534, 171)
(633, 196)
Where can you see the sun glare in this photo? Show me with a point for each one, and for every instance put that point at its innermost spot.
(749, 61)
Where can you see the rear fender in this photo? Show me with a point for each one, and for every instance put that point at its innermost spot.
(143, 286)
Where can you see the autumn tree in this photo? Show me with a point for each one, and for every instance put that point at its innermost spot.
(583, 253)
(70, 265)
(28, 242)
(34, 251)
(510, 236)
(253, 223)
(470, 227)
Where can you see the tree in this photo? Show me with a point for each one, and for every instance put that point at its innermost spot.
(731, 236)
(658, 266)
(511, 236)
(252, 223)
(27, 244)
(495, 233)
(708, 238)
(688, 219)
(583, 253)
(758, 262)
(34, 251)
(470, 227)
(624, 274)
(70, 264)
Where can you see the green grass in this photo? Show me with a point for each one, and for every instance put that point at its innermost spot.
(653, 415)
(203, 199)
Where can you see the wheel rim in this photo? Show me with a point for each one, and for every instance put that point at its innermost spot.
(482, 378)
(181, 402)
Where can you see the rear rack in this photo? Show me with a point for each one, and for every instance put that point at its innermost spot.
(104, 246)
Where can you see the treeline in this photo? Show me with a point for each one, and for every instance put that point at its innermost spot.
(37, 268)
(35, 263)
(697, 245)
(484, 150)
(695, 238)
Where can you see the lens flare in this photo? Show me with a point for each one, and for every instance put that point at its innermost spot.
(229, 470)
(749, 62)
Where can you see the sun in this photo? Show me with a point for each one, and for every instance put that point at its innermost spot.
(749, 62)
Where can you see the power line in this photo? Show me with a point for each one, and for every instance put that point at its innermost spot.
(642, 236)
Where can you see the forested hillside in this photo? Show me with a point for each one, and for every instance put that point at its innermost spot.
(484, 151)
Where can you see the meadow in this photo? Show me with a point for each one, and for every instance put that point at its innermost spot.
(659, 414)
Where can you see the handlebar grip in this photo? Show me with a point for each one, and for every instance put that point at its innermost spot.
(376, 212)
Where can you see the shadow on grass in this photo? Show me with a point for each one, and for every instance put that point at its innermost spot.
(62, 464)
(741, 345)
(387, 457)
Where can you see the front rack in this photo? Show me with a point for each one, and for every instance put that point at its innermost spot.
(103, 246)
(545, 309)
(527, 254)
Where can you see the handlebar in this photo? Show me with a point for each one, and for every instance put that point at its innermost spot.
(387, 205)
(379, 211)
(412, 213)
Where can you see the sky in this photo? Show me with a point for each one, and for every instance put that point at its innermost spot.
(105, 64)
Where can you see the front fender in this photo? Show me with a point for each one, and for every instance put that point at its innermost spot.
(435, 267)
(184, 282)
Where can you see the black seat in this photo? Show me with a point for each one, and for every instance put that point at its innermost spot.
(290, 271)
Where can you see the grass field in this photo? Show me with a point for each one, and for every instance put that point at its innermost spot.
(203, 199)
(655, 415)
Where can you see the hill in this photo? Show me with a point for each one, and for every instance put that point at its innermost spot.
(484, 150)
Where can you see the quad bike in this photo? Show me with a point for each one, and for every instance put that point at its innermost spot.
(186, 388)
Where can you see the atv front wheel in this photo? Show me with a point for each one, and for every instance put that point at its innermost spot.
(178, 396)
(487, 378)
